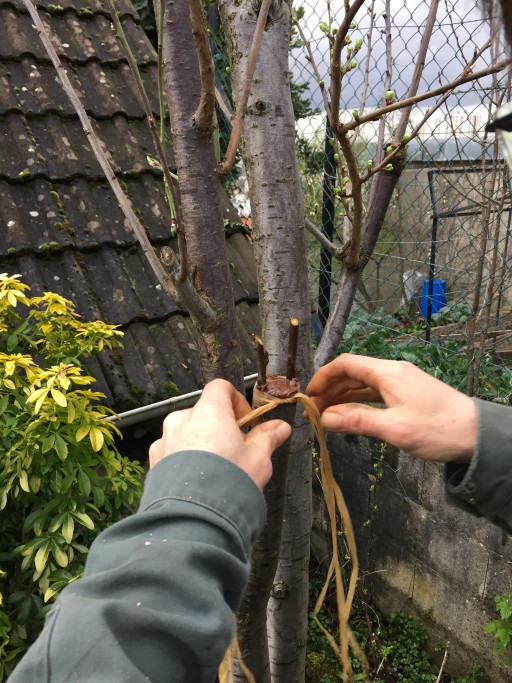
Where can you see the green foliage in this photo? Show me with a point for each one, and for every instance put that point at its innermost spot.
(62, 479)
(396, 648)
(383, 336)
(502, 628)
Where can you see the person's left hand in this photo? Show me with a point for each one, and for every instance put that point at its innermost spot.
(211, 426)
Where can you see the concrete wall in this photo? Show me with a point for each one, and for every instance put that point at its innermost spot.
(420, 554)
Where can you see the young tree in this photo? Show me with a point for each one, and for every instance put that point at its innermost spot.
(258, 35)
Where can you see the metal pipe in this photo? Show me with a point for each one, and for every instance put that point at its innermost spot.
(161, 408)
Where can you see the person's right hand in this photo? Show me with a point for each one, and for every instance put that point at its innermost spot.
(423, 415)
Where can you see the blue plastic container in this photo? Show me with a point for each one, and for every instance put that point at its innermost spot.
(438, 296)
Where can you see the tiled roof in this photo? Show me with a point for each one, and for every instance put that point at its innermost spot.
(60, 225)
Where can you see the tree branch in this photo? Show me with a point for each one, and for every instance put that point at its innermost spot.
(337, 252)
(314, 66)
(184, 291)
(339, 42)
(419, 66)
(400, 104)
(134, 68)
(238, 123)
(356, 219)
(203, 117)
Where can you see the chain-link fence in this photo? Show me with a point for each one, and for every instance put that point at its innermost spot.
(438, 288)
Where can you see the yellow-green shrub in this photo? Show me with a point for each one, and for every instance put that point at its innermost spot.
(62, 479)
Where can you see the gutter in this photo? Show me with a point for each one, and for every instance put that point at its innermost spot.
(162, 408)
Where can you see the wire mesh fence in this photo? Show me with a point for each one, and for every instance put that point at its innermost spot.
(438, 288)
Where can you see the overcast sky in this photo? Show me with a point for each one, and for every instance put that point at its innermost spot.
(460, 29)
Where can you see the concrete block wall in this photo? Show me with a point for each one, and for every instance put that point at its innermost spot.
(419, 554)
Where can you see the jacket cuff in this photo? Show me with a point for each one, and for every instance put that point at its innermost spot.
(212, 482)
(485, 485)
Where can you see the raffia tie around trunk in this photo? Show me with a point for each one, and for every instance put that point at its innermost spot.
(340, 521)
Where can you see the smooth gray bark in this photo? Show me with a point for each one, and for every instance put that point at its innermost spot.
(268, 147)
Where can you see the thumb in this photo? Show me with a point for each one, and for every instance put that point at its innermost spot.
(267, 436)
(357, 418)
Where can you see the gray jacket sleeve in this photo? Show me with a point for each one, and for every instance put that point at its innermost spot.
(156, 599)
(484, 486)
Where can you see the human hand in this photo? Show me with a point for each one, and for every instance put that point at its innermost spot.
(423, 415)
(211, 426)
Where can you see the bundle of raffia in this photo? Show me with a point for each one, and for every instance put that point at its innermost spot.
(264, 402)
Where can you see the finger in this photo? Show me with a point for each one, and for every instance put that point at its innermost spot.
(349, 367)
(267, 436)
(156, 452)
(366, 395)
(337, 392)
(359, 419)
(224, 397)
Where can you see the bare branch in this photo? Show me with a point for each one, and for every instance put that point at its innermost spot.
(409, 101)
(398, 147)
(156, 137)
(419, 66)
(356, 218)
(179, 291)
(339, 42)
(314, 66)
(203, 117)
(337, 252)
(238, 123)
(367, 61)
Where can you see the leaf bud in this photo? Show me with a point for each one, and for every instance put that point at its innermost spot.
(389, 167)
(324, 27)
(336, 157)
(390, 96)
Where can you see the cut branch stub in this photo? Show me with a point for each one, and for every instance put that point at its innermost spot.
(261, 362)
(293, 338)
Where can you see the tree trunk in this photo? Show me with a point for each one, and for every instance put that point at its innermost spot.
(200, 200)
(280, 251)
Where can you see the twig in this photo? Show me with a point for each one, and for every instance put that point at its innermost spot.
(326, 243)
(238, 123)
(163, 277)
(203, 117)
(314, 66)
(261, 362)
(199, 308)
(398, 147)
(293, 339)
(339, 42)
(400, 104)
(438, 680)
(367, 61)
(154, 135)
